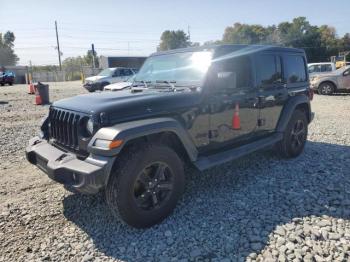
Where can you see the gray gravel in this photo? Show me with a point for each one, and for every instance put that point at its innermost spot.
(260, 208)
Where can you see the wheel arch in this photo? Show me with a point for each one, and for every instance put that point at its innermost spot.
(300, 102)
(328, 81)
(160, 130)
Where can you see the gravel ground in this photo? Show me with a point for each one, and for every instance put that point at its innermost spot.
(257, 208)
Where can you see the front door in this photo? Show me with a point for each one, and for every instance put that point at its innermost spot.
(345, 79)
(233, 108)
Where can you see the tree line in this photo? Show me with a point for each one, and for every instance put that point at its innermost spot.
(319, 42)
(7, 54)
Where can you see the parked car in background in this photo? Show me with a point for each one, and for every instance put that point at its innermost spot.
(328, 83)
(121, 85)
(316, 68)
(7, 77)
(108, 76)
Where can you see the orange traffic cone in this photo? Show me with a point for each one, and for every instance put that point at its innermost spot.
(31, 89)
(38, 100)
(236, 121)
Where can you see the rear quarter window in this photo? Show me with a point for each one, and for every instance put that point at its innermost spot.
(296, 72)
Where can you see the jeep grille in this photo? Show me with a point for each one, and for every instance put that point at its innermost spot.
(63, 128)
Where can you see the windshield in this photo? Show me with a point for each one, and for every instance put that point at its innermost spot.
(179, 67)
(106, 72)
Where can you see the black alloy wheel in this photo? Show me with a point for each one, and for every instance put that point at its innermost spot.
(298, 135)
(153, 186)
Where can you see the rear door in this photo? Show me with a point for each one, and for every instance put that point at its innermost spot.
(272, 88)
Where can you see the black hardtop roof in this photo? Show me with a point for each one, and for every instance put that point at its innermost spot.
(232, 48)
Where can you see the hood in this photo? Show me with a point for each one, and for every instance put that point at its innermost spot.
(94, 78)
(118, 86)
(126, 104)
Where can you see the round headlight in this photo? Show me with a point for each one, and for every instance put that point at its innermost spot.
(90, 126)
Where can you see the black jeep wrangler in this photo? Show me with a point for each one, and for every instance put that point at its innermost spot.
(200, 106)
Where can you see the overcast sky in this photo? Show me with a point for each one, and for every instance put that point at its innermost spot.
(134, 27)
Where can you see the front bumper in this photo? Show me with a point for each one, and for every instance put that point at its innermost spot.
(314, 85)
(86, 176)
(92, 86)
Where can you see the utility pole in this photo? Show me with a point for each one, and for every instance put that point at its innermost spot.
(189, 32)
(93, 55)
(58, 47)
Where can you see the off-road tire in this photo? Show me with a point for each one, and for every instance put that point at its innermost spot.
(10, 84)
(286, 147)
(120, 194)
(2, 84)
(326, 88)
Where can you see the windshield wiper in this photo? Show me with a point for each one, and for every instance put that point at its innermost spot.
(144, 83)
(170, 83)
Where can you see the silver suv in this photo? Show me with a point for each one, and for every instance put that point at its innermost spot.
(328, 83)
(108, 76)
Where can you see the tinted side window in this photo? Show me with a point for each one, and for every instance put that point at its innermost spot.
(314, 69)
(116, 72)
(269, 69)
(127, 72)
(326, 68)
(241, 67)
(296, 69)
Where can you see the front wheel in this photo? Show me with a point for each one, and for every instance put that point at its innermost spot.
(145, 185)
(295, 136)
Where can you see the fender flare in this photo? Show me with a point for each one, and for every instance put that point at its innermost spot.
(140, 128)
(289, 108)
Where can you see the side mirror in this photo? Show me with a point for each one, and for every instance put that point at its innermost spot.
(346, 73)
(226, 80)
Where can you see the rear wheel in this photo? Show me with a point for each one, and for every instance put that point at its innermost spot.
(326, 88)
(146, 185)
(295, 136)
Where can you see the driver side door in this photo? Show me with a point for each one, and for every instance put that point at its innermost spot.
(232, 102)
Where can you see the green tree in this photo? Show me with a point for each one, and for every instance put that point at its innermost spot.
(319, 43)
(245, 34)
(88, 58)
(173, 39)
(7, 54)
(72, 67)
